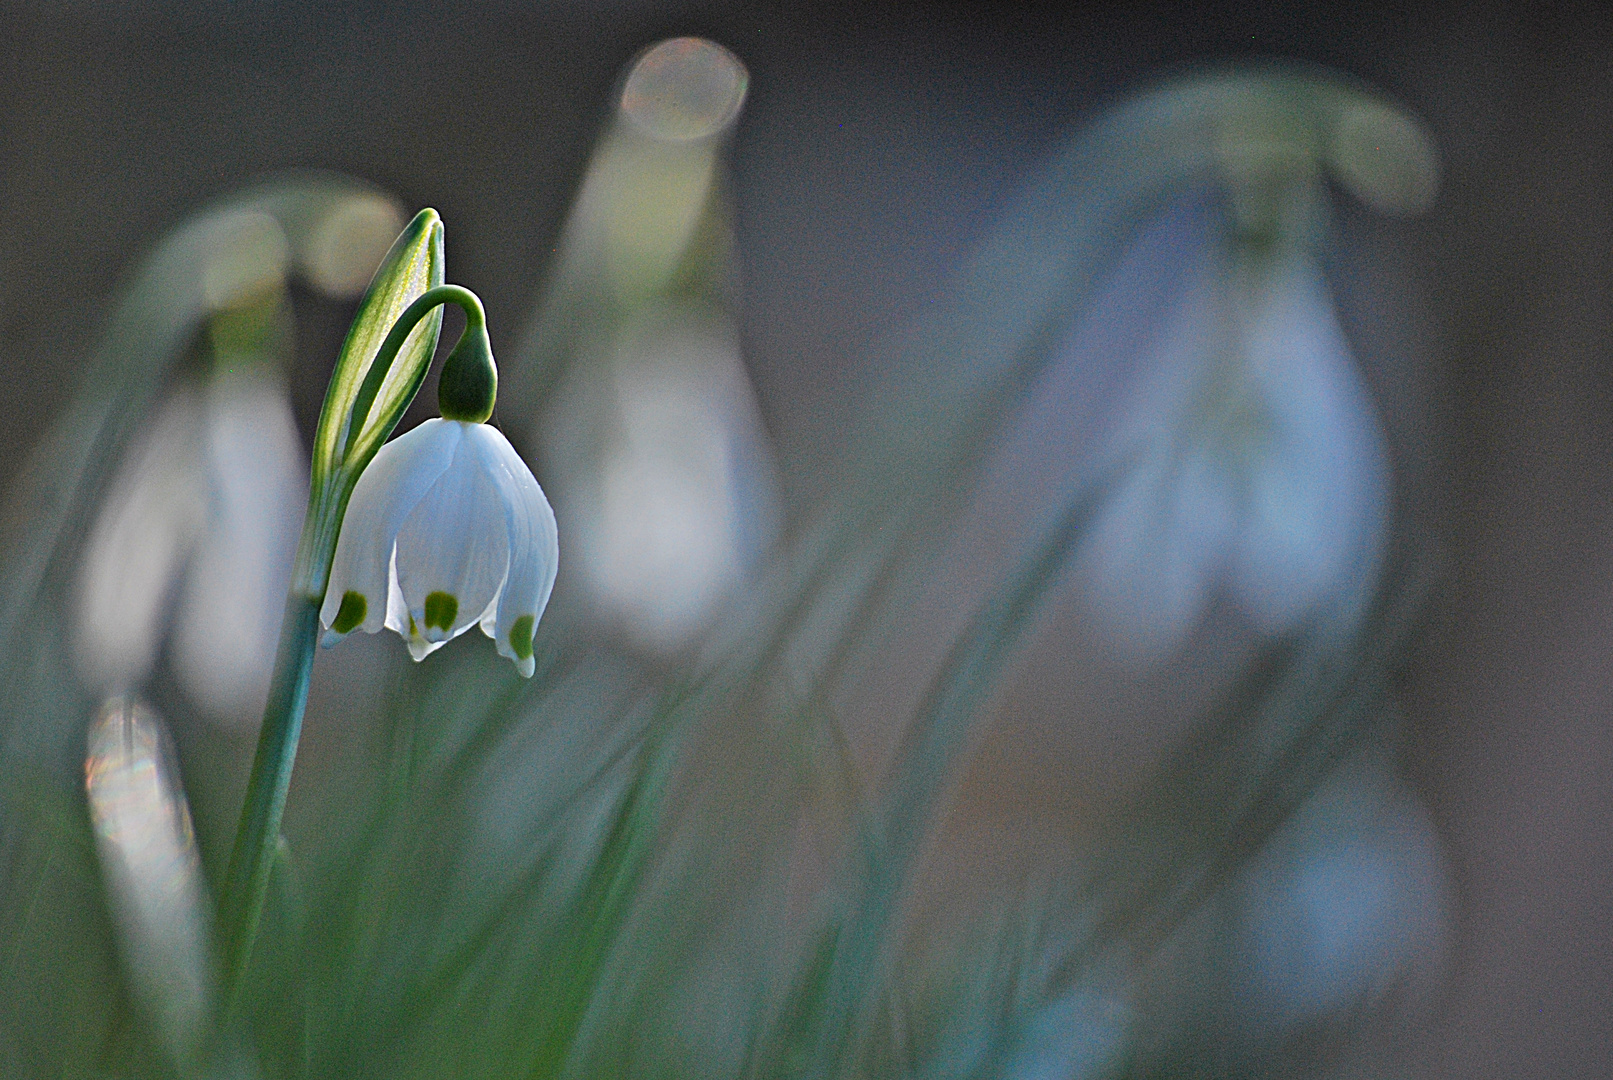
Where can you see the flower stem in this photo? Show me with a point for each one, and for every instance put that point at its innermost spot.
(475, 324)
(251, 861)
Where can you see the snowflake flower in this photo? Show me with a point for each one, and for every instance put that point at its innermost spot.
(446, 529)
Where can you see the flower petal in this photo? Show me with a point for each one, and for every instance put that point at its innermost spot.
(1155, 548)
(143, 534)
(534, 547)
(1318, 494)
(453, 549)
(228, 615)
(392, 486)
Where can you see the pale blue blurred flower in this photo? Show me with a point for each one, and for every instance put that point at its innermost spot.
(1349, 901)
(1256, 460)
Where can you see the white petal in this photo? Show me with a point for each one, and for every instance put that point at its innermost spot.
(1163, 535)
(1268, 457)
(1156, 547)
(453, 549)
(534, 546)
(1319, 487)
(399, 620)
(395, 482)
(229, 610)
(144, 531)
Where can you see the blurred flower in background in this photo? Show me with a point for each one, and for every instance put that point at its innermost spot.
(152, 873)
(1348, 904)
(1259, 465)
(192, 547)
(1254, 459)
(659, 464)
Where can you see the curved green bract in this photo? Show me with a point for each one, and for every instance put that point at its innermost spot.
(350, 429)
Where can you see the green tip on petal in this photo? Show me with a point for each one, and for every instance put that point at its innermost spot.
(441, 608)
(521, 637)
(351, 613)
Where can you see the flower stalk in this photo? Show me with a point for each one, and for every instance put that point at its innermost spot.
(375, 380)
(252, 859)
(497, 553)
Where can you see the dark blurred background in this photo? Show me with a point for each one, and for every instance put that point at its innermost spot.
(876, 146)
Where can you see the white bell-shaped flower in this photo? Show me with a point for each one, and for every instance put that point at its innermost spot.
(447, 528)
(661, 467)
(1257, 463)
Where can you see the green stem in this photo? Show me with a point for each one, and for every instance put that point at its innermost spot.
(258, 833)
(475, 322)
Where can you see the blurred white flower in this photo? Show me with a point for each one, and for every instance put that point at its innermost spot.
(192, 547)
(684, 89)
(653, 444)
(225, 626)
(1256, 462)
(447, 528)
(662, 471)
(148, 524)
(1349, 901)
(206, 511)
(345, 246)
(149, 861)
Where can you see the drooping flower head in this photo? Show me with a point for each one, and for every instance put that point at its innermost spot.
(446, 529)
(652, 440)
(186, 562)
